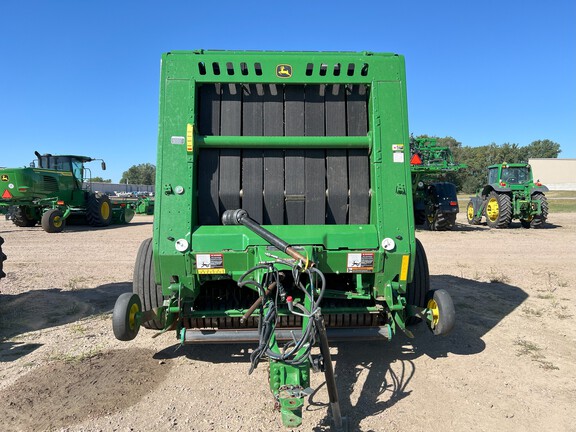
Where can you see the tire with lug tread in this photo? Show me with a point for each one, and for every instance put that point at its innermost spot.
(443, 314)
(21, 218)
(498, 210)
(470, 214)
(441, 221)
(538, 221)
(417, 290)
(124, 322)
(419, 217)
(98, 210)
(144, 283)
(2, 259)
(52, 221)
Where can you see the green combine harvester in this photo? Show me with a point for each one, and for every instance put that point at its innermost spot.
(54, 191)
(511, 193)
(435, 200)
(283, 213)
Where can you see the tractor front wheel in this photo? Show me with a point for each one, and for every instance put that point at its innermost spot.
(52, 221)
(443, 315)
(498, 210)
(124, 321)
(471, 214)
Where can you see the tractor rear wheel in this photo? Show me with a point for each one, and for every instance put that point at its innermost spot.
(441, 306)
(22, 218)
(498, 210)
(2, 259)
(124, 322)
(98, 210)
(539, 220)
(440, 221)
(144, 283)
(52, 221)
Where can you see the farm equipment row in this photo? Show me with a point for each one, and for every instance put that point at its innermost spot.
(283, 213)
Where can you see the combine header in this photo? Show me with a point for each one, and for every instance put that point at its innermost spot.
(283, 213)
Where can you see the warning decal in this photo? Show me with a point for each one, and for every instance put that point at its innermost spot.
(210, 263)
(360, 262)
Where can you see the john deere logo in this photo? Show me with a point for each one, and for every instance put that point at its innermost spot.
(284, 71)
(4, 177)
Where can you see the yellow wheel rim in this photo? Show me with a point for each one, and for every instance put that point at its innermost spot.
(433, 306)
(105, 210)
(492, 209)
(132, 316)
(57, 221)
(470, 211)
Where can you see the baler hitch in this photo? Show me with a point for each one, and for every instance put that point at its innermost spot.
(298, 353)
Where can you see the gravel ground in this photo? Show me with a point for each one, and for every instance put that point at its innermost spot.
(507, 366)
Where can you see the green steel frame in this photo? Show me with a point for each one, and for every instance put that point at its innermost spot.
(179, 237)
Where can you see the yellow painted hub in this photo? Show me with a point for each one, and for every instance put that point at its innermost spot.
(433, 306)
(132, 316)
(470, 211)
(105, 210)
(57, 221)
(492, 209)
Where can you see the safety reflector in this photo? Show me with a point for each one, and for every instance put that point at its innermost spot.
(415, 160)
(404, 268)
(453, 203)
(6, 194)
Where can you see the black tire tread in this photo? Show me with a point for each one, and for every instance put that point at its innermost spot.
(93, 210)
(21, 219)
(144, 283)
(539, 220)
(2, 259)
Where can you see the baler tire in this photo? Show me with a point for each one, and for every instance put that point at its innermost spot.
(538, 221)
(20, 218)
(498, 210)
(444, 315)
(417, 290)
(124, 323)
(98, 210)
(2, 259)
(52, 221)
(144, 283)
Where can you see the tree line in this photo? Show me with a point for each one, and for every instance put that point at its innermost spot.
(478, 159)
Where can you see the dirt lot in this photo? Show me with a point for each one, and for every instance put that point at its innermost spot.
(509, 365)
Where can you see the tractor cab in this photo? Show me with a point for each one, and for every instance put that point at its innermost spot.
(509, 174)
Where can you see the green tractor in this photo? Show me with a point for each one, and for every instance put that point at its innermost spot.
(283, 213)
(54, 191)
(510, 194)
(435, 200)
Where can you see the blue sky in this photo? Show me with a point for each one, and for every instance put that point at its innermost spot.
(82, 77)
